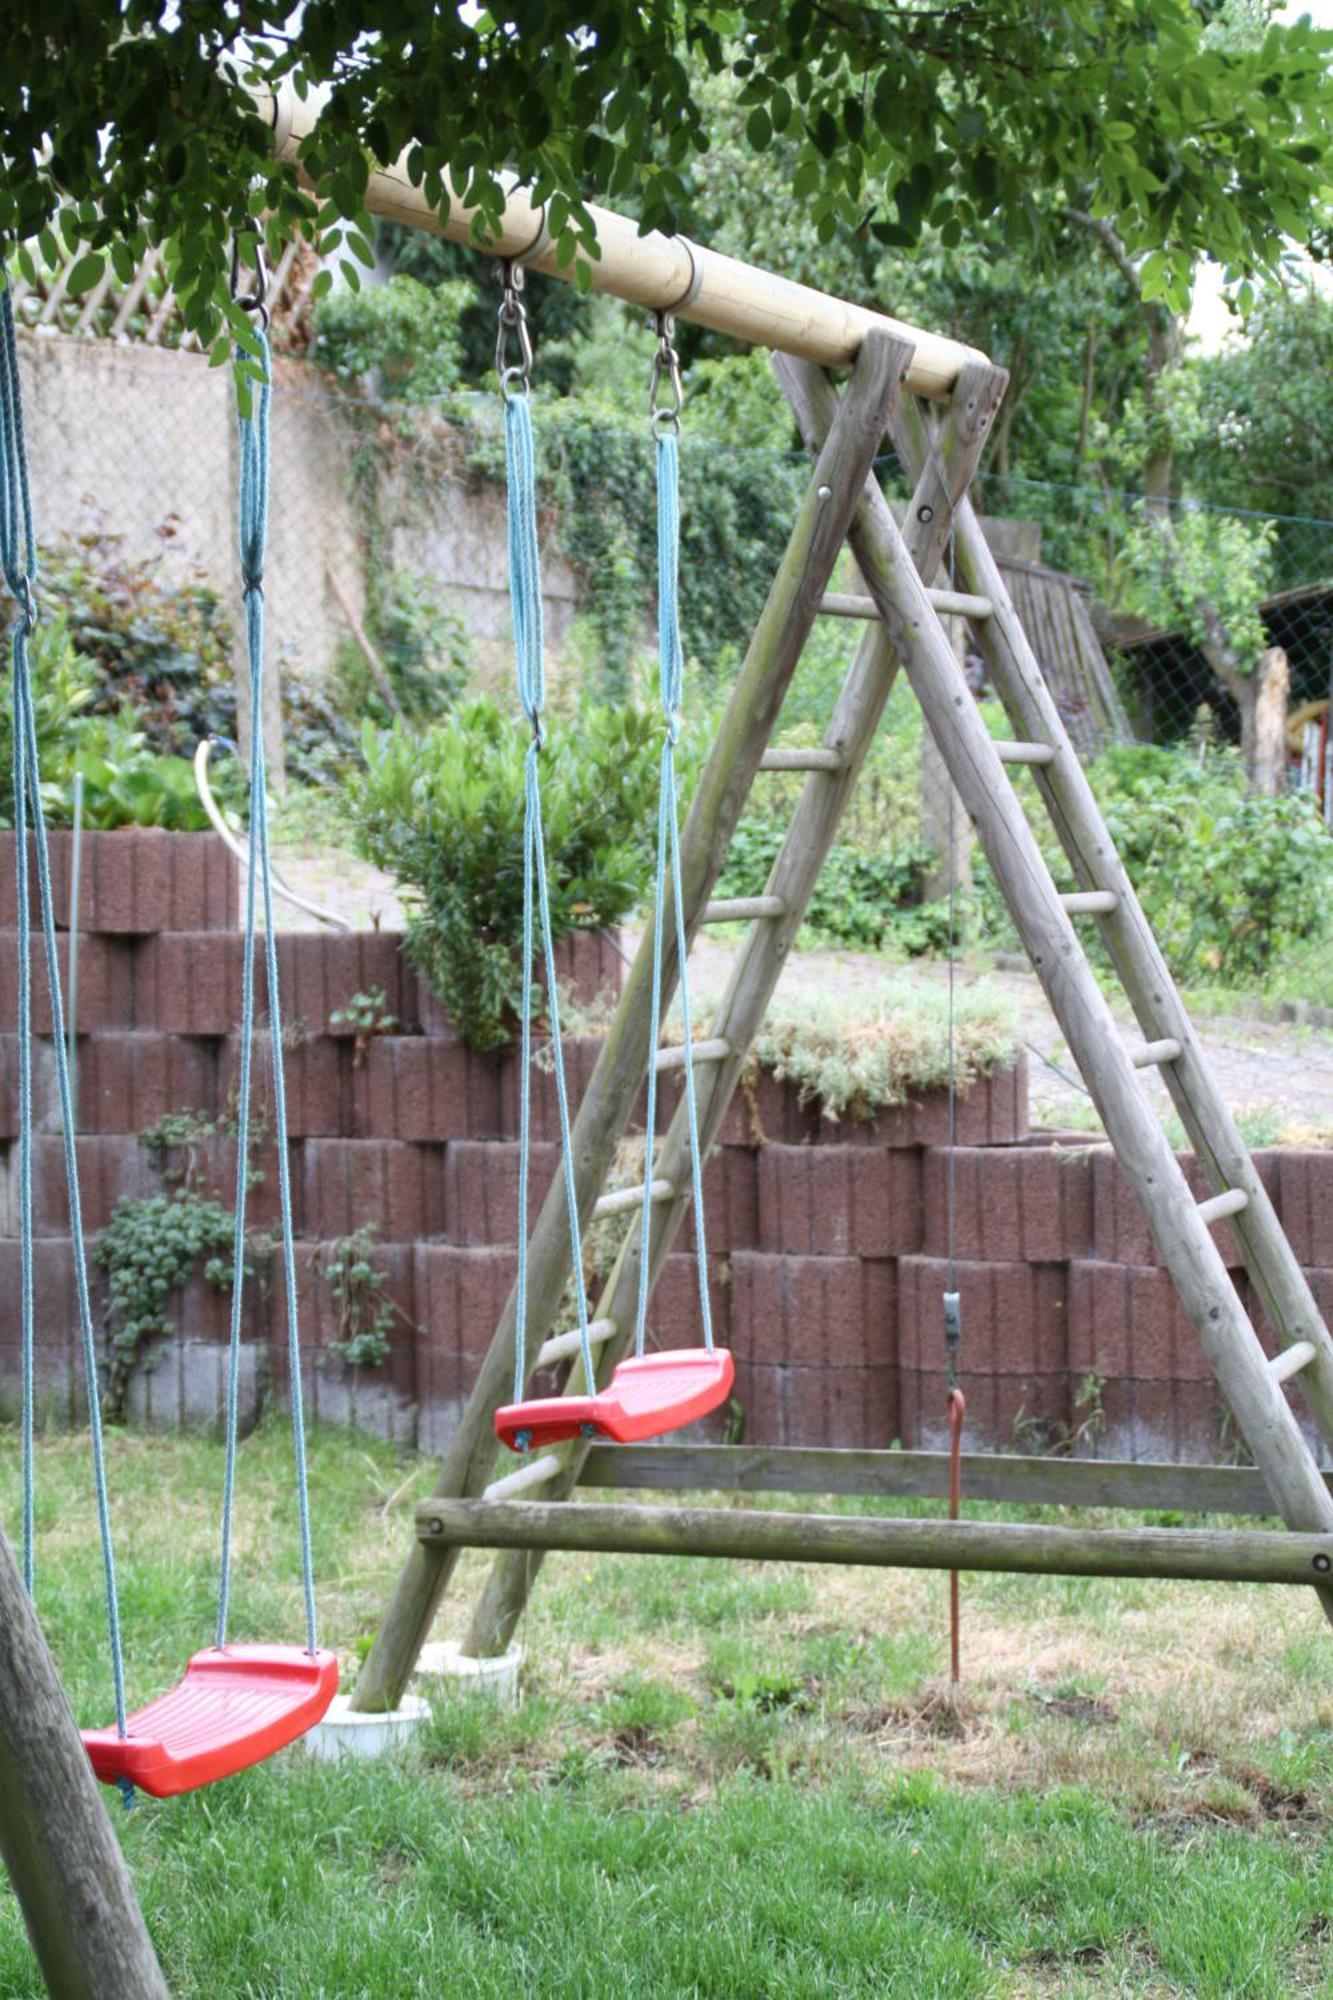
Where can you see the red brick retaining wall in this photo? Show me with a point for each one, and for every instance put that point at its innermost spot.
(827, 1241)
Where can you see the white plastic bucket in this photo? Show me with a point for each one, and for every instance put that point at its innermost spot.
(345, 1732)
(497, 1679)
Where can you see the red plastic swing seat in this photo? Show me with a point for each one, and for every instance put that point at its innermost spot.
(234, 1706)
(647, 1396)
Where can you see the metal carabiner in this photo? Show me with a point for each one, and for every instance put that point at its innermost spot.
(253, 301)
(513, 318)
(666, 369)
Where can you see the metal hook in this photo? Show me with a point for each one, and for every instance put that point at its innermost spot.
(513, 318)
(666, 369)
(253, 301)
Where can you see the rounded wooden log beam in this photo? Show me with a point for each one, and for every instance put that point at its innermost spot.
(1200, 1555)
(660, 273)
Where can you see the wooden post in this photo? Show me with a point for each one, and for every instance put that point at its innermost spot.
(1201, 1279)
(1274, 1270)
(1201, 1555)
(65, 1862)
(752, 712)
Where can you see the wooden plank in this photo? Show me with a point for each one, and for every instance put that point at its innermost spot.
(924, 1475)
(1202, 1555)
(659, 273)
(743, 909)
(1279, 1281)
(1265, 1418)
(719, 798)
(758, 964)
(66, 1865)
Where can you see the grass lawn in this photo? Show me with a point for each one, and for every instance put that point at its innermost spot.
(736, 1782)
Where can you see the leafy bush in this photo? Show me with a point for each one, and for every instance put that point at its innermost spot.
(148, 1250)
(859, 895)
(404, 333)
(125, 781)
(1231, 881)
(162, 645)
(442, 811)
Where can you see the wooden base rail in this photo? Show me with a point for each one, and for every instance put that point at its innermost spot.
(924, 1475)
(1198, 1555)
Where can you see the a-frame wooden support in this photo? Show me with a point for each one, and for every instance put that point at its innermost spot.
(941, 455)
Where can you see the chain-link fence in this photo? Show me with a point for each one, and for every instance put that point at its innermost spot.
(1207, 614)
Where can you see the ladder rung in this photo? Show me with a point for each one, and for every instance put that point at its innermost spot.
(710, 1051)
(952, 603)
(739, 909)
(1026, 753)
(561, 1346)
(1089, 902)
(1291, 1360)
(801, 760)
(534, 1474)
(1219, 1206)
(617, 1204)
(1149, 1054)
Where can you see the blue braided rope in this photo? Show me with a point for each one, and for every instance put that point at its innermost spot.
(672, 672)
(18, 559)
(254, 432)
(530, 660)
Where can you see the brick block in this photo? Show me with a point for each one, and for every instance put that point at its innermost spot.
(839, 1201)
(319, 1080)
(110, 1170)
(762, 1112)
(846, 1408)
(1126, 1321)
(1012, 1203)
(812, 1312)
(106, 981)
(1025, 1411)
(128, 1081)
(1300, 1181)
(395, 1186)
(57, 1354)
(1120, 1232)
(1014, 1316)
(589, 964)
(481, 1189)
(136, 880)
(427, 1088)
(323, 1324)
(190, 982)
(580, 1057)
(675, 1316)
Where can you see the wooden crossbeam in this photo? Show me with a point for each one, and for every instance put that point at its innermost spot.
(1200, 1555)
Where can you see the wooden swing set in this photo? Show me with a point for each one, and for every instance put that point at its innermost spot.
(936, 400)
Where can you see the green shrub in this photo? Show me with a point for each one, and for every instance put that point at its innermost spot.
(442, 811)
(126, 782)
(405, 333)
(162, 645)
(1231, 881)
(859, 898)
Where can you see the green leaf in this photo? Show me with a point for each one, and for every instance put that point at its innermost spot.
(85, 272)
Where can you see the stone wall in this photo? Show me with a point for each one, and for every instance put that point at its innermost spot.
(141, 441)
(827, 1242)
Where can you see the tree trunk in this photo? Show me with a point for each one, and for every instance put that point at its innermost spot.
(64, 1860)
(1264, 723)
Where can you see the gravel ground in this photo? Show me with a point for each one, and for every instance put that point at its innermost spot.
(1279, 1072)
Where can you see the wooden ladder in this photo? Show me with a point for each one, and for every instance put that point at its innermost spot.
(844, 503)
